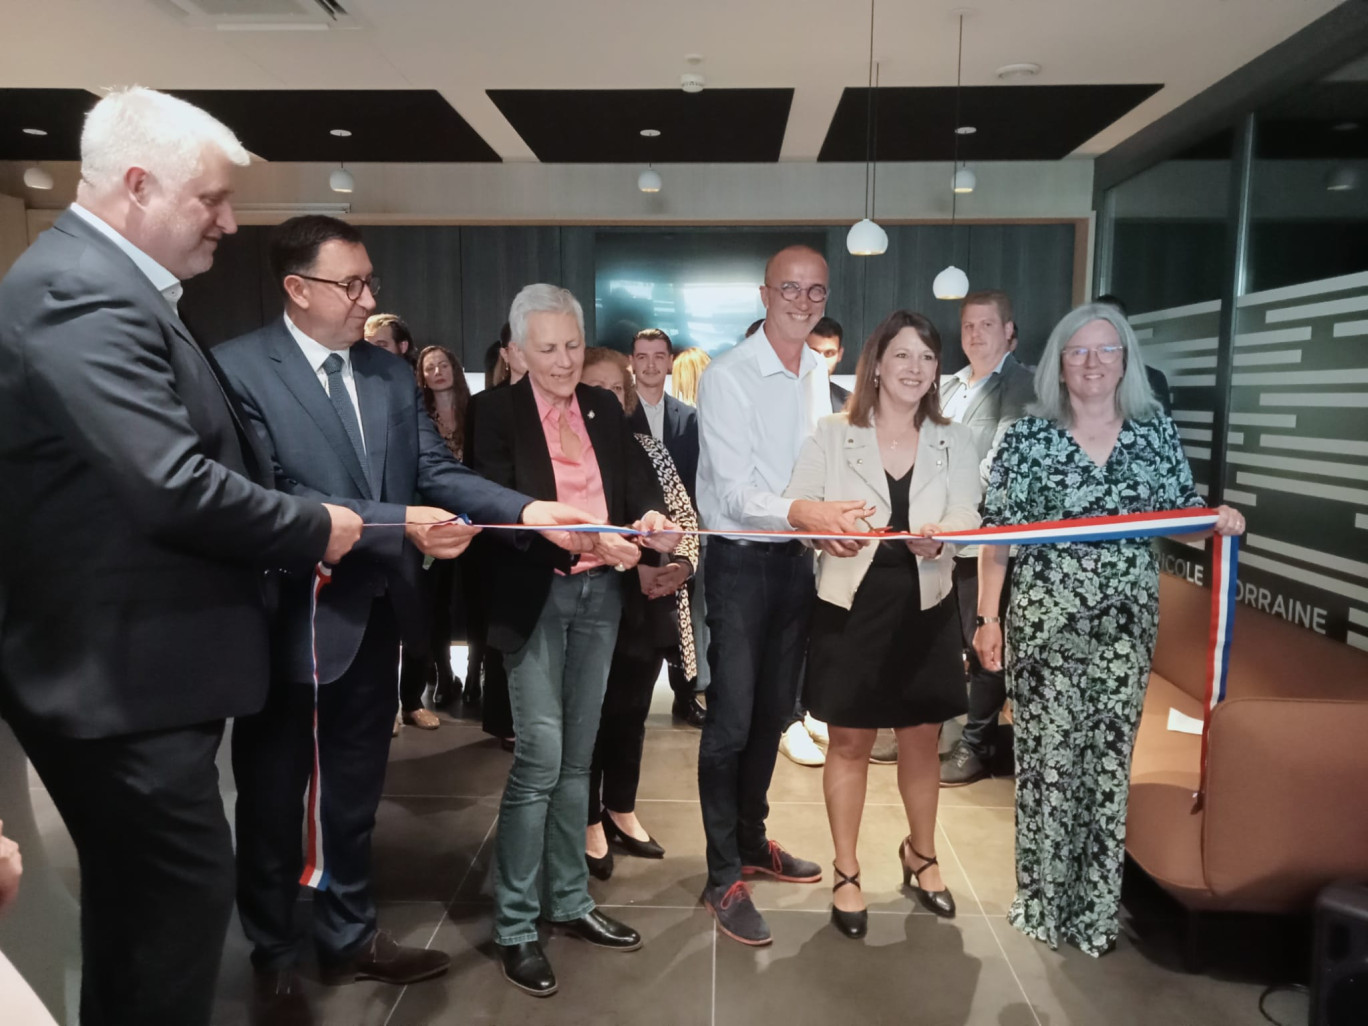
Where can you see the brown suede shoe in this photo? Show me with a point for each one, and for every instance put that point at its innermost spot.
(423, 718)
(388, 961)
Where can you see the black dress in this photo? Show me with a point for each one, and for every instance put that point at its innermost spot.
(886, 662)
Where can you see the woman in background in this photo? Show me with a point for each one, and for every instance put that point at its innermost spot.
(656, 625)
(687, 368)
(445, 397)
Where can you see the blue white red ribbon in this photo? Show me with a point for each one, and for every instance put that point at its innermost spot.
(315, 872)
(1084, 529)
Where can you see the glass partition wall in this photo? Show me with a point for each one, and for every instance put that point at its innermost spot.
(1244, 264)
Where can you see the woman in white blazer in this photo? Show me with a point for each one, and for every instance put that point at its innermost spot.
(884, 647)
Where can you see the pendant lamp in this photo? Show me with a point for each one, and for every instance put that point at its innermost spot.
(866, 238)
(952, 283)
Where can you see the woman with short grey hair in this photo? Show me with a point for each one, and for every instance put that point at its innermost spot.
(1082, 618)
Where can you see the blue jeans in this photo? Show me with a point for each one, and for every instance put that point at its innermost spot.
(555, 687)
(759, 601)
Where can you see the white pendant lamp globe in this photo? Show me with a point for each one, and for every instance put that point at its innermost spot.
(341, 180)
(951, 283)
(649, 180)
(866, 238)
(37, 178)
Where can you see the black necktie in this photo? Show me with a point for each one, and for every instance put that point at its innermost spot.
(346, 412)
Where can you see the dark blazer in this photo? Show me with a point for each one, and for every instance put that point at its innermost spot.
(839, 397)
(407, 459)
(135, 516)
(507, 444)
(681, 438)
(1159, 385)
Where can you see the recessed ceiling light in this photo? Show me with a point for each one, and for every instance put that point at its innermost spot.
(693, 58)
(691, 82)
(1343, 126)
(965, 130)
(35, 131)
(650, 133)
(341, 133)
(1016, 72)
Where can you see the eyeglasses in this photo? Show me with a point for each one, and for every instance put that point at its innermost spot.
(791, 290)
(353, 287)
(1077, 356)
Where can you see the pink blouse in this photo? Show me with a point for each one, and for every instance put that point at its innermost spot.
(578, 483)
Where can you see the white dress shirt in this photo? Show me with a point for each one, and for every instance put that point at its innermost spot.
(162, 280)
(753, 417)
(316, 353)
(957, 404)
(655, 416)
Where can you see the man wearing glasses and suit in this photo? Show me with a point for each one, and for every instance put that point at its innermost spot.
(988, 396)
(343, 421)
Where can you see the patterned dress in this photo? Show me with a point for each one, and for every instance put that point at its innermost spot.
(1081, 628)
(680, 509)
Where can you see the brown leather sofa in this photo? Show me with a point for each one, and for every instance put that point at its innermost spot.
(1286, 806)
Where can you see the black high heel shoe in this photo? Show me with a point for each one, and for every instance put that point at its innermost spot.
(647, 849)
(600, 868)
(853, 924)
(942, 903)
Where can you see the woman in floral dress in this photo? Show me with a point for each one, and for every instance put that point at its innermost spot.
(1082, 618)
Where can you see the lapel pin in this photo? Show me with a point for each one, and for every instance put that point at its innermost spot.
(590, 414)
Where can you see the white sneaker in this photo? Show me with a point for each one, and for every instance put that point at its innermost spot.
(817, 730)
(797, 744)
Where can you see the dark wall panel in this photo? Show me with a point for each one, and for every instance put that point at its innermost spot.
(495, 264)
(420, 277)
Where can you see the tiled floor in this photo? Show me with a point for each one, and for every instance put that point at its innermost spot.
(433, 846)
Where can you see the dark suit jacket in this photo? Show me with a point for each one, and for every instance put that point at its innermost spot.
(681, 437)
(1159, 385)
(134, 525)
(283, 399)
(507, 444)
(839, 397)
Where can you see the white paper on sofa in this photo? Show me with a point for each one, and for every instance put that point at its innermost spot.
(1183, 723)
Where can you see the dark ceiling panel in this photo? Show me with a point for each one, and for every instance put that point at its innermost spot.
(1320, 121)
(1019, 122)
(59, 112)
(603, 126)
(399, 125)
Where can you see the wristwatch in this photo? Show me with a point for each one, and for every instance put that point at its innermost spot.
(979, 621)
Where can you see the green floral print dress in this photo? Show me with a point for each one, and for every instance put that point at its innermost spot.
(1081, 627)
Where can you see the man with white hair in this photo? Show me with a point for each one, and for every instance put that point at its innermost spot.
(137, 522)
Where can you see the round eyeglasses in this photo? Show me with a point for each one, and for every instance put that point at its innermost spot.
(791, 290)
(355, 288)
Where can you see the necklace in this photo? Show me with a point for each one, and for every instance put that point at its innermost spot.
(893, 442)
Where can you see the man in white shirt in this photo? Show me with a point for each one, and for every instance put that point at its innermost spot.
(988, 396)
(756, 406)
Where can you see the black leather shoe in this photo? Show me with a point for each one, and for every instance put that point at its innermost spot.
(598, 929)
(647, 849)
(278, 999)
(600, 868)
(689, 712)
(525, 966)
(388, 961)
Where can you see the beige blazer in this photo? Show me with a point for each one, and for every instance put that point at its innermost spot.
(840, 461)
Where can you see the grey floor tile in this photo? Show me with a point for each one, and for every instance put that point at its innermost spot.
(981, 840)
(456, 759)
(668, 981)
(423, 846)
(1124, 988)
(909, 969)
